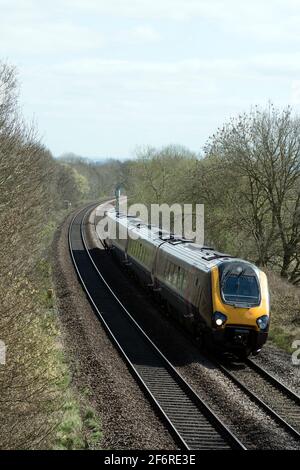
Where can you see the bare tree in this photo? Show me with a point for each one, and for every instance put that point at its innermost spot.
(263, 150)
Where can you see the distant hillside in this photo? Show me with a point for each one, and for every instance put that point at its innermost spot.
(72, 158)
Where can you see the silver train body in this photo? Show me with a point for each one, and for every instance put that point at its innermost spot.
(196, 284)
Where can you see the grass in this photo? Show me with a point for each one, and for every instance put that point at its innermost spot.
(77, 423)
(80, 426)
(281, 338)
(93, 428)
(69, 434)
(285, 312)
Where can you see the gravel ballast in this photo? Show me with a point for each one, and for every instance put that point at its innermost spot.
(128, 420)
(280, 364)
(254, 428)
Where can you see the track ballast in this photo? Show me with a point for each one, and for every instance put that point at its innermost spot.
(275, 398)
(193, 424)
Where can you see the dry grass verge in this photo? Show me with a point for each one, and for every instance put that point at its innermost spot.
(285, 311)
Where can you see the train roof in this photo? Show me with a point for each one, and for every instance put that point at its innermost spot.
(188, 251)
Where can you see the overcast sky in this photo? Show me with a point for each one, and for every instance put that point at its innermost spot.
(102, 77)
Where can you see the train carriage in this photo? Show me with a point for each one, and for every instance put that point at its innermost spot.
(220, 298)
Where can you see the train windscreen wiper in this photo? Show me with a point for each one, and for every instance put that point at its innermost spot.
(225, 277)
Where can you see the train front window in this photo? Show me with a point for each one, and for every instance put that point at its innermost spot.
(240, 289)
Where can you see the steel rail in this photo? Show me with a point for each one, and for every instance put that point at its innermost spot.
(188, 418)
(287, 411)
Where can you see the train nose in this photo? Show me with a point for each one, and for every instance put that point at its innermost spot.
(240, 337)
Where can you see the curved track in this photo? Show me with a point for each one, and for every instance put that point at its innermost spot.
(192, 423)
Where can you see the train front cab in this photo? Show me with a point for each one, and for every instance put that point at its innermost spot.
(241, 311)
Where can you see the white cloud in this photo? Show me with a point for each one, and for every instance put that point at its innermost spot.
(132, 91)
(57, 37)
(145, 33)
(230, 13)
(260, 65)
(148, 69)
(150, 9)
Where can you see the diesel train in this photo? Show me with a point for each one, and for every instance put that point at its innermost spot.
(220, 299)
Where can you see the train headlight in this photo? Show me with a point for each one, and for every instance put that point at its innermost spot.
(262, 322)
(219, 319)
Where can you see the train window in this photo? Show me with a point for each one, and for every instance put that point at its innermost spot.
(184, 280)
(239, 289)
(168, 273)
(181, 279)
(178, 280)
(168, 276)
(171, 273)
(178, 283)
(146, 256)
(166, 270)
(176, 276)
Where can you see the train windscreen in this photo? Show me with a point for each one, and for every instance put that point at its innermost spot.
(239, 286)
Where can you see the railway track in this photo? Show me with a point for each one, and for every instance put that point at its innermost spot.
(189, 419)
(275, 398)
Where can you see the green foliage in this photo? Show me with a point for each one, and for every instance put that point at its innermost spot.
(79, 428)
(93, 428)
(285, 308)
(281, 338)
(69, 433)
(82, 184)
